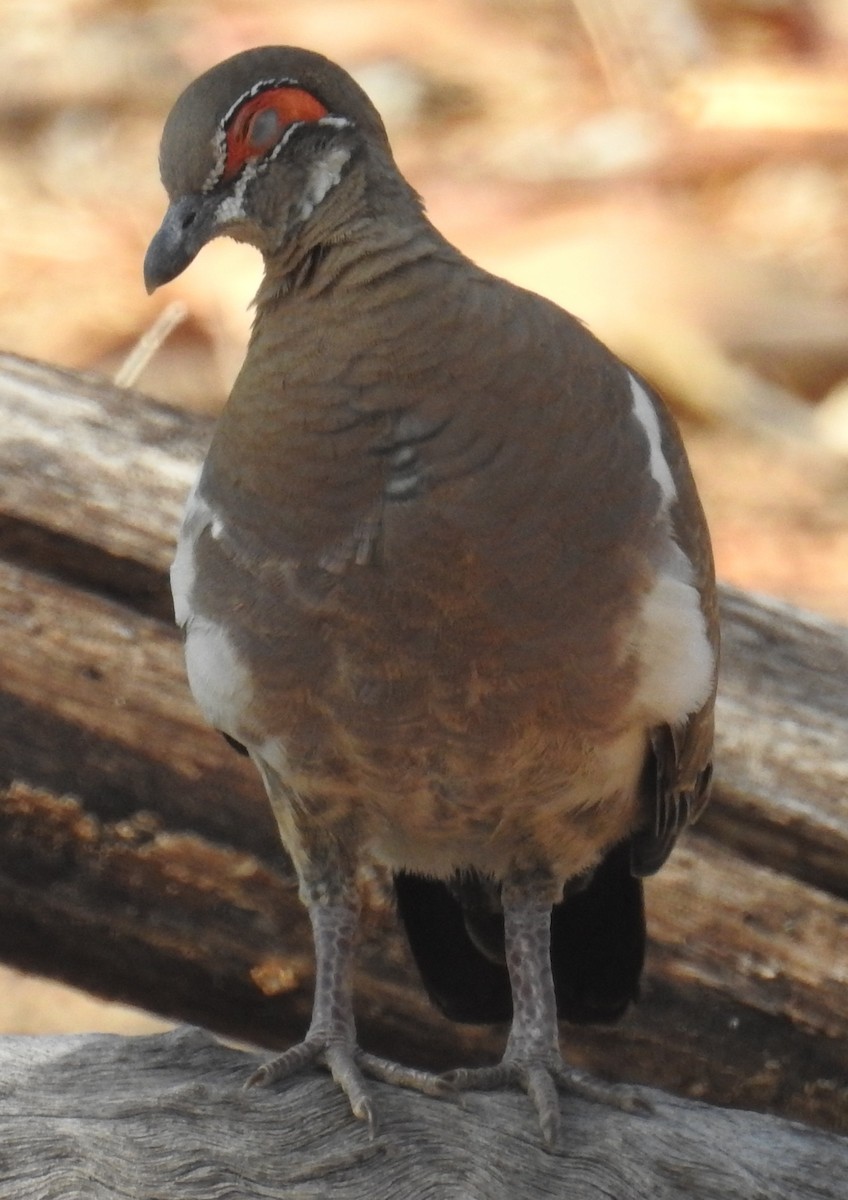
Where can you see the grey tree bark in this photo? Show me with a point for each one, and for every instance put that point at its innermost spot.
(166, 1118)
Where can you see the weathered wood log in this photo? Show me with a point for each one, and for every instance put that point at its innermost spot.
(138, 857)
(165, 1116)
(92, 483)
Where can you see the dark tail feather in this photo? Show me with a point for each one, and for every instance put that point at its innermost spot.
(463, 983)
(597, 947)
(598, 943)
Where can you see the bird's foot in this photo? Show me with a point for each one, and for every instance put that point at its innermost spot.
(542, 1077)
(349, 1065)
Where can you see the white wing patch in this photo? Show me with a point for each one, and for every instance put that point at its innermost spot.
(675, 653)
(219, 680)
(646, 415)
(671, 642)
(197, 516)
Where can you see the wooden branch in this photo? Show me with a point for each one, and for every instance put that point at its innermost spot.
(138, 857)
(782, 740)
(166, 1116)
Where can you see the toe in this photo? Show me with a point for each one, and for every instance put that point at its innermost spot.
(480, 1079)
(409, 1077)
(285, 1064)
(342, 1065)
(542, 1090)
(613, 1095)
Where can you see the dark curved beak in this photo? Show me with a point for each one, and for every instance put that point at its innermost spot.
(185, 229)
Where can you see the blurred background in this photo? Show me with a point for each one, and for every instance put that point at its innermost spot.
(673, 171)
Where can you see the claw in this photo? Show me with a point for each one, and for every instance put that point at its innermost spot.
(366, 1113)
(348, 1065)
(542, 1090)
(288, 1063)
(259, 1078)
(341, 1061)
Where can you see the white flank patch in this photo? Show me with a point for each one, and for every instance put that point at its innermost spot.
(645, 413)
(676, 656)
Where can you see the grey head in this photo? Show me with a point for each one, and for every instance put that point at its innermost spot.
(253, 148)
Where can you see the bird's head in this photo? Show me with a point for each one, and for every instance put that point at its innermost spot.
(259, 148)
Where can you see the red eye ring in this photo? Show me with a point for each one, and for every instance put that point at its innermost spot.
(290, 105)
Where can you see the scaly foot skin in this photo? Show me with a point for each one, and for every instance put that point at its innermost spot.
(348, 1065)
(532, 1060)
(331, 1038)
(542, 1077)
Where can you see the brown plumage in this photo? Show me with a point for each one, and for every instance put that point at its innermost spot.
(445, 576)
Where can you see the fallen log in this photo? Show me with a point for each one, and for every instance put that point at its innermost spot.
(166, 1116)
(138, 857)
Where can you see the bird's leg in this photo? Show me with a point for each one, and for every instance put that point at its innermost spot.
(325, 859)
(331, 1038)
(532, 1058)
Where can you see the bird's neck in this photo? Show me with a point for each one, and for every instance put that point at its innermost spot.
(371, 215)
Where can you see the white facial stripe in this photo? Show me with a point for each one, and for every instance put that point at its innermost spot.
(219, 145)
(645, 414)
(336, 122)
(284, 139)
(232, 208)
(219, 141)
(261, 85)
(323, 176)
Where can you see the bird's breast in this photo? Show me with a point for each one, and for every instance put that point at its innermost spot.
(421, 685)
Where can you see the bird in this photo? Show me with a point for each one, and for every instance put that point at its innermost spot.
(445, 577)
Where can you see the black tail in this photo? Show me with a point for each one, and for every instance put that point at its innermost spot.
(597, 946)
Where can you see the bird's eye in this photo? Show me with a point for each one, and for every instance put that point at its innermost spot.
(263, 130)
(259, 121)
